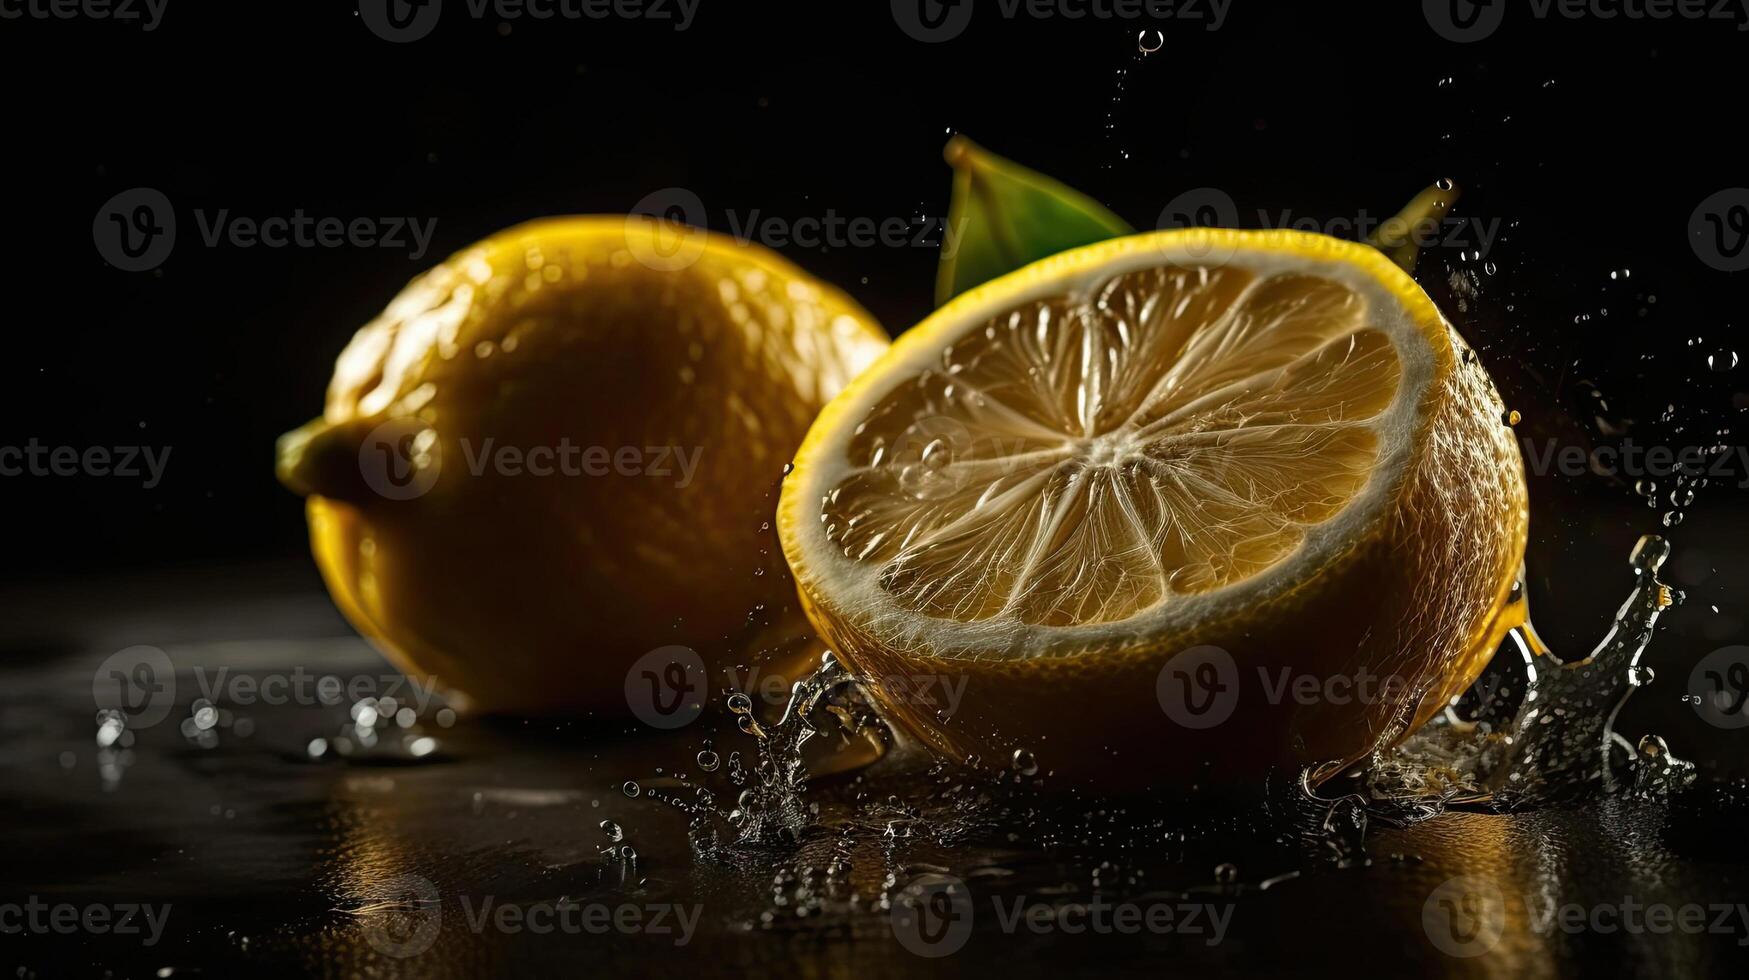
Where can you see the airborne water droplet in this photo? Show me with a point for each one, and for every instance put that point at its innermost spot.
(613, 831)
(1722, 361)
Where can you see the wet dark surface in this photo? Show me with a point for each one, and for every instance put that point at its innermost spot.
(383, 865)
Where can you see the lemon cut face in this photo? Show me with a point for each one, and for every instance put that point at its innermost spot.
(1133, 435)
(1084, 458)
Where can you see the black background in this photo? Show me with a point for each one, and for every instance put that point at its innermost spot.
(1590, 141)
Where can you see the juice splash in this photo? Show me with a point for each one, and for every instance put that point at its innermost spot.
(1542, 730)
(829, 787)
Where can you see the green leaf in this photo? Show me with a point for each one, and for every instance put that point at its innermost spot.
(1004, 216)
(1401, 237)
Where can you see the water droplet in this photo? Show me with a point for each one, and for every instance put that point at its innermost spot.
(1024, 763)
(1654, 746)
(1646, 488)
(1722, 361)
(613, 831)
(1512, 417)
(1148, 42)
(1682, 497)
(1445, 183)
(1673, 518)
(1226, 874)
(740, 703)
(631, 788)
(709, 761)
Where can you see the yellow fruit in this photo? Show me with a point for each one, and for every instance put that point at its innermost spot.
(557, 451)
(1157, 508)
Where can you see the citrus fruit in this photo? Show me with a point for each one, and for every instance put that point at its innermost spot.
(559, 450)
(1184, 505)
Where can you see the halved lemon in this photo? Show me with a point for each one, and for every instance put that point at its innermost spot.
(1181, 505)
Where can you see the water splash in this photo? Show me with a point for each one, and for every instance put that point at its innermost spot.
(1543, 730)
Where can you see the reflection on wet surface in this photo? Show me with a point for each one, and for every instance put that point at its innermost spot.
(519, 847)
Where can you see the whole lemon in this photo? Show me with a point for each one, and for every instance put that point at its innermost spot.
(558, 452)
